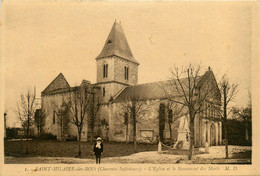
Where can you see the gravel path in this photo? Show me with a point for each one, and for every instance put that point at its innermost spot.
(216, 155)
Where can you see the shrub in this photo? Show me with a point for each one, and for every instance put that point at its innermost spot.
(47, 136)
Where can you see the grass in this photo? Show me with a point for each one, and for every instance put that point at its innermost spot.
(240, 154)
(70, 149)
(243, 154)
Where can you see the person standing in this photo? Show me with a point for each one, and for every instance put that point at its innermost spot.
(98, 150)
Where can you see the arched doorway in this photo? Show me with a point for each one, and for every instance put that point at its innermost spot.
(212, 134)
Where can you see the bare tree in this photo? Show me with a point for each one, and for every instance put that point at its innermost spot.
(126, 122)
(161, 117)
(175, 111)
(136, 109)
(79, 107)
(228, 91)
(26, 107)
(191, 92)
(39, 119)
(104, 124)
(244, 114)
(61, 116)
(94, 110)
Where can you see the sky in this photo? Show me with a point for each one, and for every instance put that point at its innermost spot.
(42, 39)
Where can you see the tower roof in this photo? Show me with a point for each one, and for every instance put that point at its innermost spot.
(117, 45)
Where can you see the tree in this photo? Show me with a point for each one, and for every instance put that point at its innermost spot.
(228, 91)
(135, 107)
(61, 116)
(79, 107)
(39, 119)
(161, 121)
(245, 114)
(94, 110)
(105, 125)
(126, 122)
(191, 92)
(175, 111)
(26, 107)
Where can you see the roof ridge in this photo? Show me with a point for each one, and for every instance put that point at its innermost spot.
(146, 83)
(164, 81)
(59, 75)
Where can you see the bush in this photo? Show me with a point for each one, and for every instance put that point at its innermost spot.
(236, 132)
(71, 138)
(238, 140)
(47, 136)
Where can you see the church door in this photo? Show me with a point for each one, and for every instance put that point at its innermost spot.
(212, 134)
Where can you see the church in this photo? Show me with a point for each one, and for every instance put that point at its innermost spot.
(116, 82)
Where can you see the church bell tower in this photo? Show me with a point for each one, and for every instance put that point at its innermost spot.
(116, 65)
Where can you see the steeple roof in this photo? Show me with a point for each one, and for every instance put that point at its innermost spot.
(117, 45)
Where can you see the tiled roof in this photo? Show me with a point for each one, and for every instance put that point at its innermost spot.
(117, 45)
(141, 91)
(60, 85)
(156, 90)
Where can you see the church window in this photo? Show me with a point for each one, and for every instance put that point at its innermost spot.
(53, 117)
(105, 70)
(126, 73)
(104, 91)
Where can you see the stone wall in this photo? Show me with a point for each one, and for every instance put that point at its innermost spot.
(50, 106)
(104, 121)
(147, 127)
(111, 64)
(116, 70)
(206, 135)
(111, 90)
(115, 81)
(119, 71)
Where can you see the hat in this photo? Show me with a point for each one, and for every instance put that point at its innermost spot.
(99, 139)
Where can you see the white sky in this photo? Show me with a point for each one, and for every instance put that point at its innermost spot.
(43, 39)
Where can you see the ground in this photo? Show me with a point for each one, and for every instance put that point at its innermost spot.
(66, 152)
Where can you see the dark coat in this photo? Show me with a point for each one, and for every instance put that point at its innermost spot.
(98, 151)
